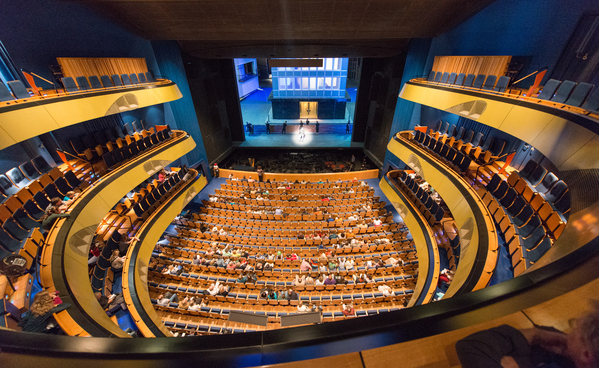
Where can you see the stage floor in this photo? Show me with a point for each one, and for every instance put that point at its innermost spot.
(293, 141)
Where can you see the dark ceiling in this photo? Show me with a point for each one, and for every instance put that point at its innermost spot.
(291, 28)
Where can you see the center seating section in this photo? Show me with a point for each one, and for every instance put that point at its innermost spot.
(253, 227)
(567, 94)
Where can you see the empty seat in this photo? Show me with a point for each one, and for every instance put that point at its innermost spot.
(547, 183)
(469, 80)
(83, 83)
(106, 81)
(18, 89)
(52, 192)
(128, 128)
(490, 82)
(14, 230)
(452, 78)
(563, 92)
(142, 78)
(17, 177)
(33, 210)
(8, 243)
(126, 80)
(24, 220)
(109, 160)
(530, 226)
(535, 238)
(5, 94)
(42, 201)
(137, 127)
(438, 77)
(478, 82)
(62, 185)
(516, 206)
(69, 84)
(579, 94)
(528, 169)
(445, 77)
(460, 80)
(29, 170)
(95, 82)
(116, 80)
(6, 186)
(592, 103)
(431, 76)
(533, 255)
(501, 84)
(524, 215)
(494, 183)
(509, 197)
(150, 77)
(477, 139)
(549, 89)
(133, 78)
(41, 164)
(537, 175)
(72, 179)
(556, 192)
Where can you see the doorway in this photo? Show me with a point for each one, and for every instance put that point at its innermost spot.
(308, 110)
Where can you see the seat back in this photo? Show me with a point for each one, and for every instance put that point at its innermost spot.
(128, 128)
(444, 128)
(72, 179)
(95, 82)
(33, 209)
(5, 94)
(6, 186)
(133, 78)
(142, 78)
(17, 177)
(537, 175)
(108, 160)
(478, 137)
(452, 78)
(126, 80)
(431, 76)
(136, 126)
(502, 84)
(29, 170)
(579, 94)
(549, 89)
(528, 169)
(150, 77)
(438, 77)
(116, 80)
(563, 92)
(592, 103)
(556, 192)
(460, 133)
(18, 89)
(478, 82)
(460, 80)
(42, 201)
(69, 84)
(468, 137)
(490, 82)
(451, 130)
(106, 81)
(547, 183)
(41, 164)
(445, 77)
(83, 83)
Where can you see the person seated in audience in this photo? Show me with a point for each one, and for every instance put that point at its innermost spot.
(215, 229)
(51, 216)
(268, 266)
(162, 176)
(184, 304)
(39, 316)
(303, 308)
(309, 281)
(332, 265)
(213, 289)
(368, 278)
(319, 281)
(299, 281)
(223, 290)
(348, 310)
(55, 202)
(197, 260)
(212, 198)
(160, 300)
(340, 280)
(323, 268)
(117, 262)
(167, 270)
(330, 280)
(386, 290)
(243, 278)
(272, 294)
(94, 254)
(377, 222)
(231, 265)
(394, 262)
(292, 295)
(125, 242)
(349, 264)
(305, 266)
(69, 198)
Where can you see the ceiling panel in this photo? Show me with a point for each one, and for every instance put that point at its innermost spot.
(300, 25)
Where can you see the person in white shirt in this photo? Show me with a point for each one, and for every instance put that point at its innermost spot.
(215, 229)
(222, 232)
(303, 308)
(377, 222)
(319, 281)
(386, 290)
(214, 288)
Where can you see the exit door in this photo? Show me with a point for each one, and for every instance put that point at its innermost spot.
(308, 110)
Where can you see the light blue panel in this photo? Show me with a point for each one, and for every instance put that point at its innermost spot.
(275, 83)
(312, 93)
(344, 63)
(328, 93)
(320, 93)
(343, 83)
(275, 93)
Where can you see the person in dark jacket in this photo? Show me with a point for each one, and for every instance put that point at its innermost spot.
(39, 317)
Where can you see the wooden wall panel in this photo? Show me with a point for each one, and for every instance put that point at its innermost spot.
(75, 67)
(487, 65)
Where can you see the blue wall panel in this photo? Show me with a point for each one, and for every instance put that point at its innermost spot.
(168, 57)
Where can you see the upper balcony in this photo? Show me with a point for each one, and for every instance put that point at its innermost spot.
(25, 113)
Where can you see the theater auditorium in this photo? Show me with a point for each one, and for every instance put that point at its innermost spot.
(289, 183)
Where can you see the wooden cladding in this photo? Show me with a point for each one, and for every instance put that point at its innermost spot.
(75, 67)
(487, 65)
